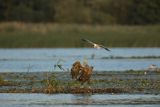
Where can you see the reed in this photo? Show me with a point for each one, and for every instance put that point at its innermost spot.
(47, 35)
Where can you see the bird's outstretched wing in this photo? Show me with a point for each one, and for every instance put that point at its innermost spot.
(86, 40)
(104, 47)
(98, 45)
(60, 66)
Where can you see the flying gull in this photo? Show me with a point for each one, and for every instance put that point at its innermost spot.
(98, 46)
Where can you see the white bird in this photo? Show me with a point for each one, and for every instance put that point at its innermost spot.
(153, 67)
(98, 46)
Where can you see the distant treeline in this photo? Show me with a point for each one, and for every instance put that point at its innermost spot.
(130, 12)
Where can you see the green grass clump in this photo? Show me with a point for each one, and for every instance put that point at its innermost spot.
(1, 79)
(47, 35)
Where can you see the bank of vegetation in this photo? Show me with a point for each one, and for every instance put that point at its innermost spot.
(29, 35)
(62, 23)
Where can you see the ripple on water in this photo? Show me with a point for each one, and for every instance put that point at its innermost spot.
(96, 100)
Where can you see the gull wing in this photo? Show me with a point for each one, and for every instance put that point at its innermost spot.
(86, 40)
(104, 47)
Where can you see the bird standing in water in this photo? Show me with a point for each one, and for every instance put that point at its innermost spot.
(98, 46)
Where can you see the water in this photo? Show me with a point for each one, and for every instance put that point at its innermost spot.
(22, 60)
(79, 100)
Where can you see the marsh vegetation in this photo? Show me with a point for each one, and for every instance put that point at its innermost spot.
(101, 82)
(27, 35)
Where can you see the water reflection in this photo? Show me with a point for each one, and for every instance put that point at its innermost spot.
(81, 99)
(96, 100)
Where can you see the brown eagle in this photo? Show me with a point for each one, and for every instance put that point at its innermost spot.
(86, 73)
(76, 69)
(81, 73)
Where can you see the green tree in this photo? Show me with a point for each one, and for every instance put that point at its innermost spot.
(82, 11)
(27, 10)
(72, 11)
(144, 12)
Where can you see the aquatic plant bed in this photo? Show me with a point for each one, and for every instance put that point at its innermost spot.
(144, 82)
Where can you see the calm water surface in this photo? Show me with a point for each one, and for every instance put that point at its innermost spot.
(22, 60)
(79, 100)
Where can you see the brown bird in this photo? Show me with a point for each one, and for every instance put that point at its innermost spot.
(98, 46)
(76, 69)
(86, 73)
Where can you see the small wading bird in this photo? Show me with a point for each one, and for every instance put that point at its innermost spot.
(98, 46)
(153, 67)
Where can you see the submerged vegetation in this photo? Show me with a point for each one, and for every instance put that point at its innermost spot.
(29, 35)
(101, 82)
